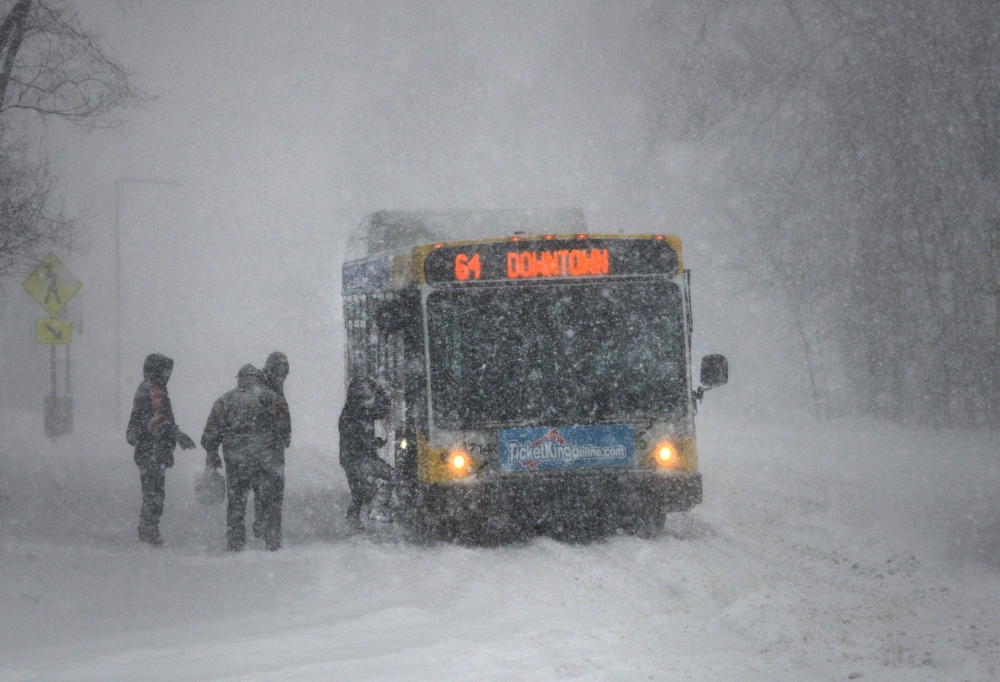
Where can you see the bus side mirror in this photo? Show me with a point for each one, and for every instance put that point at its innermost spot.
(714, 371)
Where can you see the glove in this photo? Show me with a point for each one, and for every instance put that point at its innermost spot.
(213, 460)
(379, 442)
(185, 441)
(168, 461)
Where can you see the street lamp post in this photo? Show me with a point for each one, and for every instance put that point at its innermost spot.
(118, 281)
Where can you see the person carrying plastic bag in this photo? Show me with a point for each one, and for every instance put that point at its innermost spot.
(243, 423)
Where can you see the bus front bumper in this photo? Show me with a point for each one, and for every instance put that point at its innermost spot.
(540, 497)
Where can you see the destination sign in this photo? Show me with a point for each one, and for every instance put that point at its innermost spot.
(563, 263)
(549, 258)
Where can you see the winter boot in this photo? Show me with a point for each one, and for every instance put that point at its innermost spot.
(150, 535)
(234, 546)
(273, 544)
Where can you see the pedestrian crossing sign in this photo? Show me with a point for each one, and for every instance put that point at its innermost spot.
(52, 284)
(53, 331)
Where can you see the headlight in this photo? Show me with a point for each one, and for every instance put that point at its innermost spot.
(458, 460)
(665, 453)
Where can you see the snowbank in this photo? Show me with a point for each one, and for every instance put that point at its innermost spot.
(824, 550)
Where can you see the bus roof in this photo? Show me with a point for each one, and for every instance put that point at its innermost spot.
(397, 231)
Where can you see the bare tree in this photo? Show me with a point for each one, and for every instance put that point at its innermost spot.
(54, 67)
(50, 66)
(29, 223)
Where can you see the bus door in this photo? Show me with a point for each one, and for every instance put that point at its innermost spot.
(400, 368)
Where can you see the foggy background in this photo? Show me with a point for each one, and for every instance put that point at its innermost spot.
(284, 125)
(833, 169)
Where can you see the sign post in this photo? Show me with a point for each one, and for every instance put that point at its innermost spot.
(52, 285)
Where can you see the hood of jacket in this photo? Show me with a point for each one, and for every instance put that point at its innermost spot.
(276, 369)
(366, 400)
(156, 369)
(249, 377)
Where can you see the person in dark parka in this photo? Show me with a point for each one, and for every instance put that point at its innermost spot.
(275, 372)
(154, 434)
(366, 403)
(244, 422)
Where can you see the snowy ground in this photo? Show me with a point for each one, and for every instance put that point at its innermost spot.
(824, 551)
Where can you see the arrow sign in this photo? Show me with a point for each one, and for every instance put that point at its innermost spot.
(52, 284)
(52, 331)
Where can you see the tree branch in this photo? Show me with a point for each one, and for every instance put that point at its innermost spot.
(18, 16)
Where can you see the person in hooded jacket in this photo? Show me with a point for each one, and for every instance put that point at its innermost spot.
(269, 525)
(366, 403)
(154, 434)
(243, 422)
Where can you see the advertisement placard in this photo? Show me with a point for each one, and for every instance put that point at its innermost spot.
(566, 447)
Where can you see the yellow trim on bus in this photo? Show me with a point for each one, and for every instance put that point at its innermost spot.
(675, 242)
(433, 463)
(686, 459)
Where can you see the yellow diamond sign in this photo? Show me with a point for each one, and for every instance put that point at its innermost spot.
(53, 331)
(52, 284)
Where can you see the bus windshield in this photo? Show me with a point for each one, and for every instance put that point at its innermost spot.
(551, 354)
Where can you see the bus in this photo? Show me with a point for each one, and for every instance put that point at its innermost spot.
(539, 376)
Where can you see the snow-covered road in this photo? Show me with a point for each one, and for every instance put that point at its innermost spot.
(824, 551)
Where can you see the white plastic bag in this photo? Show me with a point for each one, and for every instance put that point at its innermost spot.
(210, 487)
